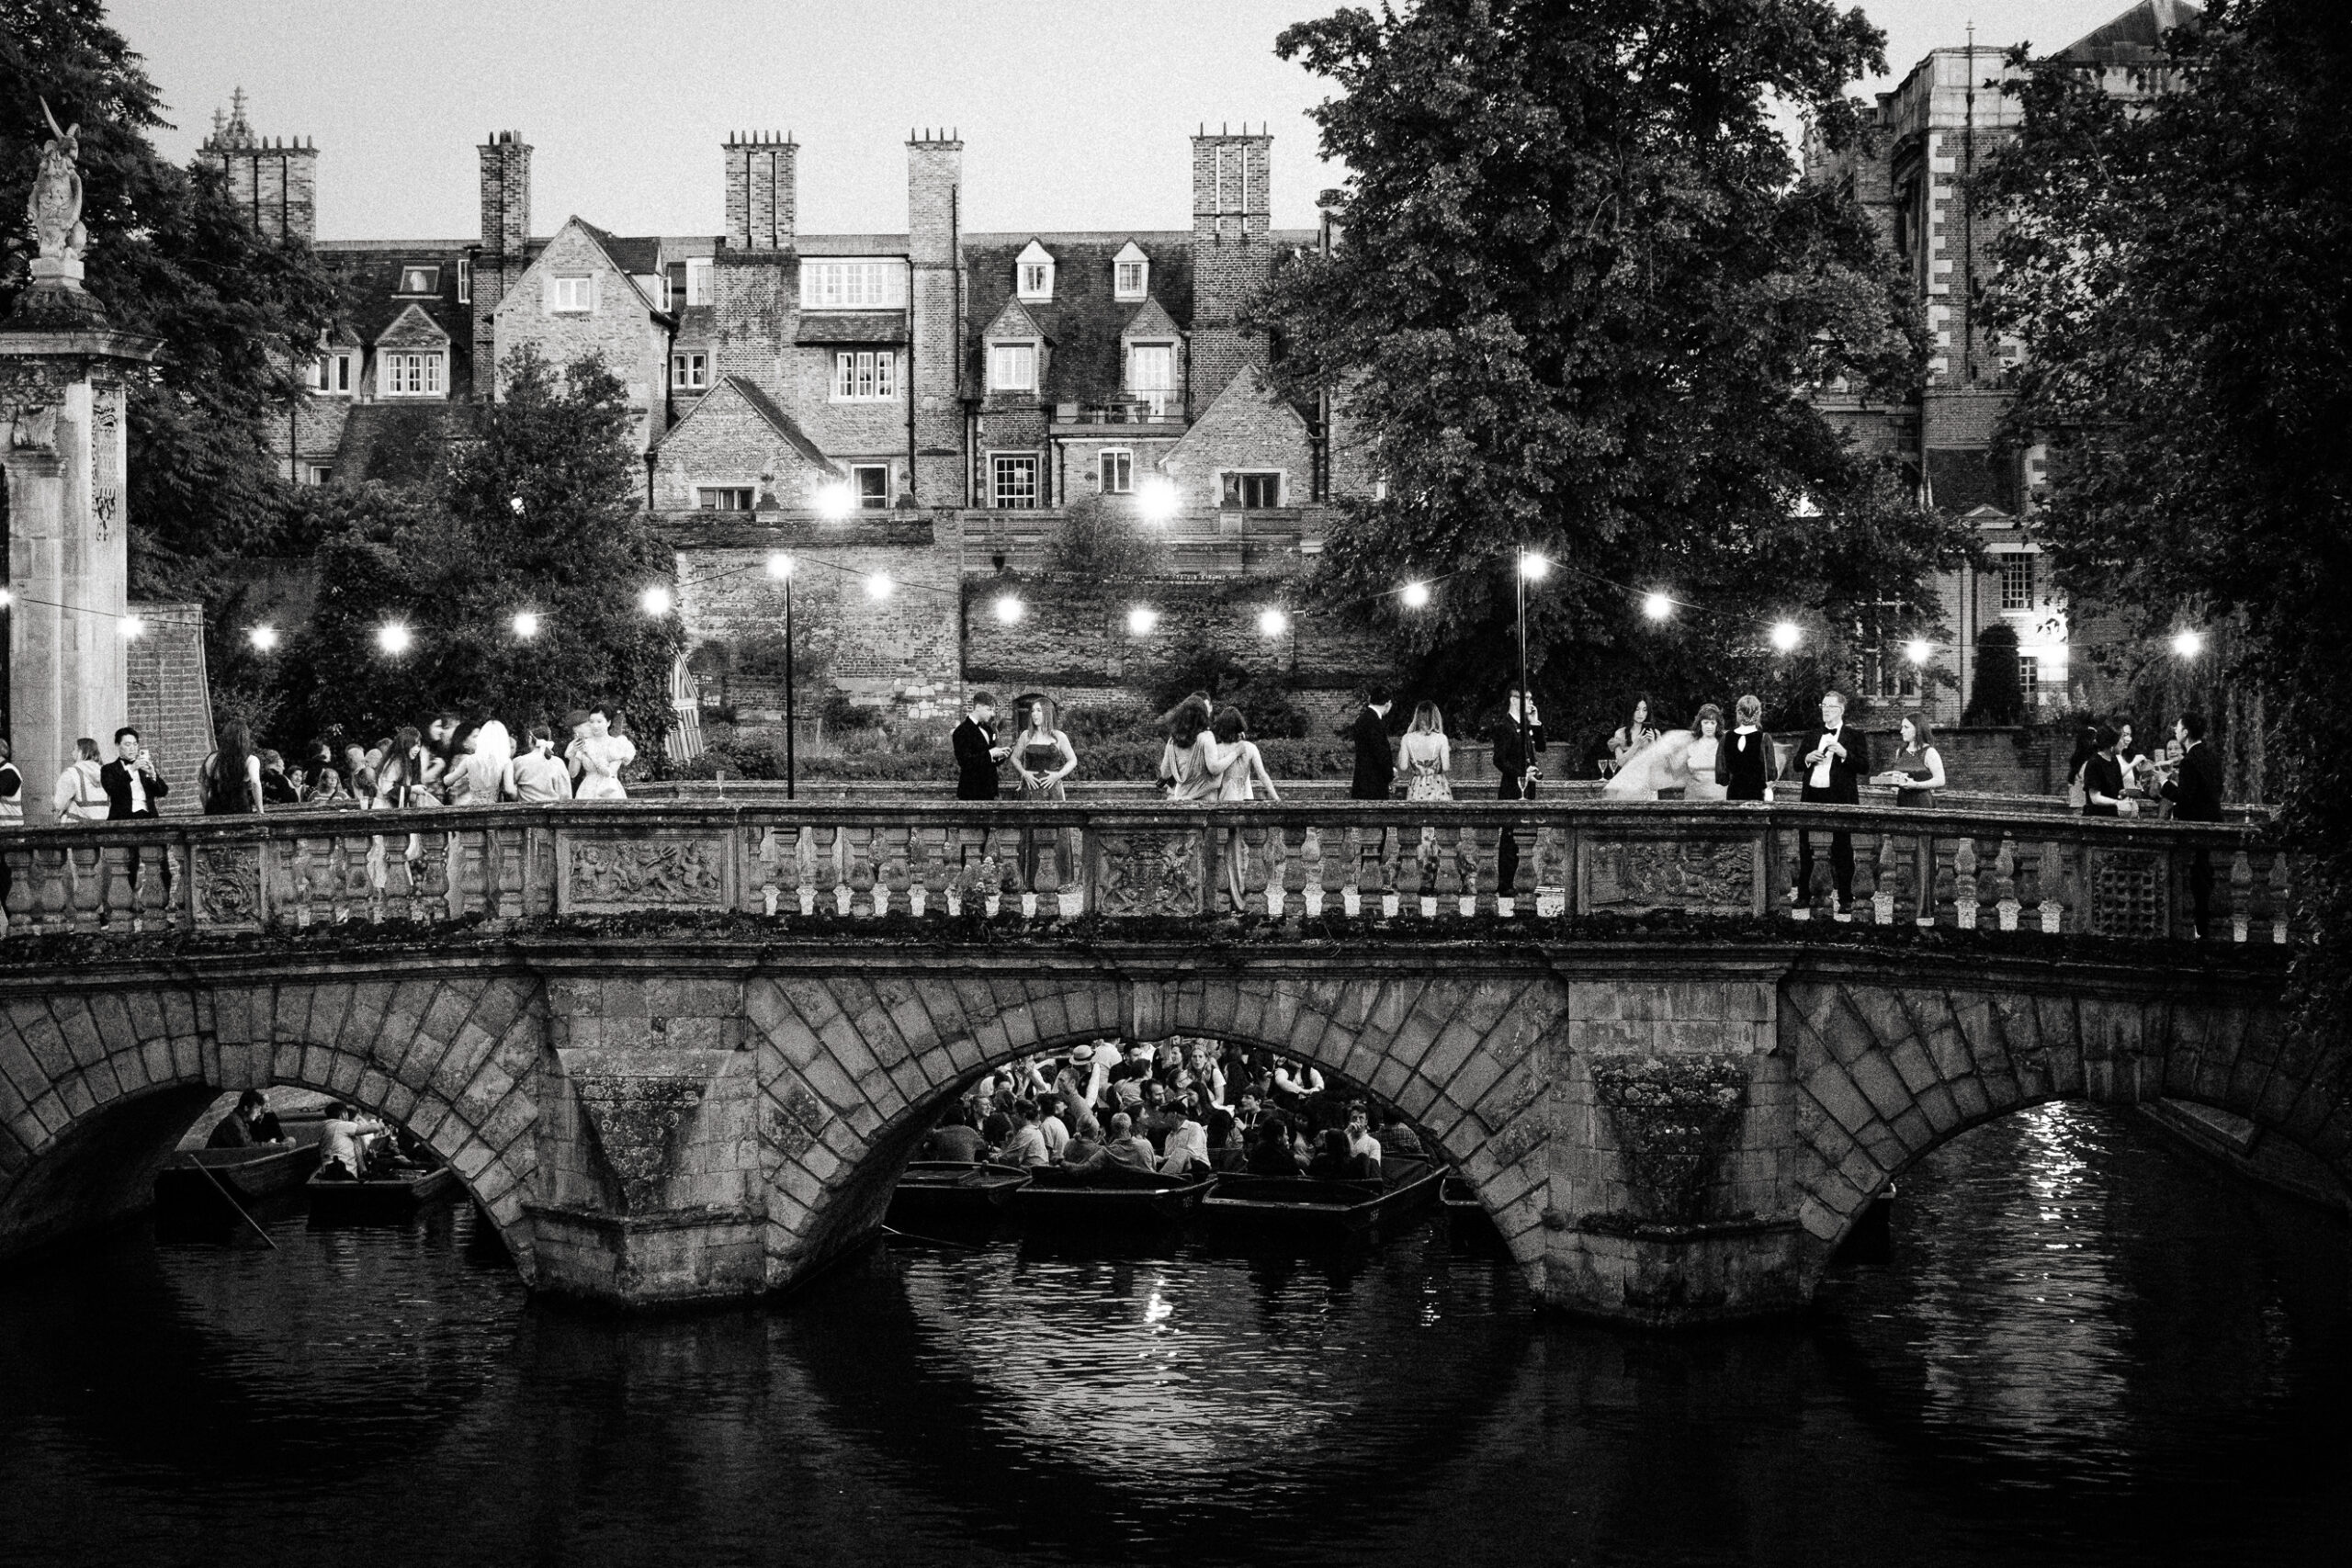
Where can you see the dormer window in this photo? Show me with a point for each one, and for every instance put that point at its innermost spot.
(331, 372)
(1013, 367)
(420, 280)
(1034, 274)
(1130, 273)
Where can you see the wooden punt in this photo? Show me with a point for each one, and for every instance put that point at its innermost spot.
(1315, 1204)
(396, 1197)
(953, 1190)
(191, 1182)
(1113, 1196)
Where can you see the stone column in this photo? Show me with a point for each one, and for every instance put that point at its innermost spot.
(61, 441)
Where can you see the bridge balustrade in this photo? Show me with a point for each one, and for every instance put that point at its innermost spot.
(1412, 861)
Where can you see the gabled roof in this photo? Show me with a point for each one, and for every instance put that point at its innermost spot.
(414, 329)
(1085, 320)
(604, 245)
(1015, 321)
(1131, 252)
(2135, 36)
(761, 404)
(367, 275)
(1034, 252)
(1149, 321)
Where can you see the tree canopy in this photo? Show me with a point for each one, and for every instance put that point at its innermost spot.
(536, 515)
(2176, 267)
(1577, 302)
(170, 255)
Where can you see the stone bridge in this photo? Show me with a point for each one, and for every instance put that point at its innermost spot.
(682, 1052)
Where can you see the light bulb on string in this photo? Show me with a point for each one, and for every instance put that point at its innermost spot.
(1415, 595)
(1156, 499)
(1141, 620)
(1657, 605)
(133, 628)
(779, 565)
(1271, 622)
(656, 600)
(1786, 635)
(836, 502)
(878, 585)
(1919, 651)
(527, 623)
(1532, 567)
(393, 639)
(2187, 643)
(1007, 608)
(263, 637)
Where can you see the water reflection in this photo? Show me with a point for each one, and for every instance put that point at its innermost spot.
(2083, 1350)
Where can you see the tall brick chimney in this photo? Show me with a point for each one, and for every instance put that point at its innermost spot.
(505, 236)
(272, 180)
(763, 185)
(935, 315)
(1231, 255)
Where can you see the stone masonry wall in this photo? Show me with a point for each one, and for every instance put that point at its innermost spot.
(619, 327)
(170, 698)
(1072, 632)
(1247, 428)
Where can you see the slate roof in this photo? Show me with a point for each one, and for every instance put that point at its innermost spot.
(637, 254)
(1083, 322)
(2135, 36)
(852, 327)
(368, 274)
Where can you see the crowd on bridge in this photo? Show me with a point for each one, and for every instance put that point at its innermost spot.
(1182, 1108)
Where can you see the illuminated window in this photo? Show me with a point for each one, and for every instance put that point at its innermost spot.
(420, 280)
(2017, 582)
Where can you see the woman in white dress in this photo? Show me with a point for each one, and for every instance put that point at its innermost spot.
(1240, 772)
(484, 774)
(1638, 733)
(601, 755)
(1424, 757)
(1706, 750)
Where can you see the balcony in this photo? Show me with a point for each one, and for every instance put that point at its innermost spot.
(1146, 408)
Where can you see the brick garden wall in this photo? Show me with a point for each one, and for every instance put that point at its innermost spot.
(169, 698)
(1076, 633)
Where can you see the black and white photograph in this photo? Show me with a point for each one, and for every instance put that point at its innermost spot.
(1248, 782)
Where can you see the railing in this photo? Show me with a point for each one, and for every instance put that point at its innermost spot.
(1434, 864)
(1165, 408)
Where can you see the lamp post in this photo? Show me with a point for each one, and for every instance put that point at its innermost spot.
(780, 567)
(1531, 567)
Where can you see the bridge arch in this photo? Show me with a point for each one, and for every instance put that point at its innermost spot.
(120, 1075)
(1884, 1074)
(854, 1069)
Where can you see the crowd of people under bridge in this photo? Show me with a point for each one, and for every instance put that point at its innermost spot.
(1186, 1108)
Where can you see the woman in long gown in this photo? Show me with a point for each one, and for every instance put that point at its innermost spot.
(1043, 758)
(1426, 757)
(1240, 772)
(602, 754)
(1703, 761)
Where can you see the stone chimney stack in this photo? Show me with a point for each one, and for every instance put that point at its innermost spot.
(763, 186)
(273, 180)
(505, 244)
(934, 313)
(1232, 254)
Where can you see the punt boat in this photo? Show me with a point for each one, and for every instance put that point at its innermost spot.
(952, 1190)
(1317, 1204)
(193, 1180)
(389, 1198)
(1110, 1197)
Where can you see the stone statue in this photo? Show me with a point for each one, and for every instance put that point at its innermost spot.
(56, 204)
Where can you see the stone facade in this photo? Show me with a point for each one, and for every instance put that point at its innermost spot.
(577, 300)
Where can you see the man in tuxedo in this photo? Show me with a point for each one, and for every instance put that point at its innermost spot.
(1835, 764)
(133, 785)
(976, 752)
(1376, 763)
(2194, 792)
(1519, 751)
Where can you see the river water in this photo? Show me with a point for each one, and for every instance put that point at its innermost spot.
(2086, 1350)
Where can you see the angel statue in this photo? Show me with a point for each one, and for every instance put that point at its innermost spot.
(56, 204)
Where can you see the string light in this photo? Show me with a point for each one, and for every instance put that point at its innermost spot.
(1007, 608)
(656, 600)
(132, 627)
(1272, 622)
(779, 565)
(1156, 499)
(2187, 643)
(393, 639)
(836, 502)
(1657, 605)
(1532, 567)
(1415, 595)
(263, 637)
(515, 504)
(1786, 635)
(1141, 619)
(6, 599)
(527, 623)
(878, 585)
(1919, 651)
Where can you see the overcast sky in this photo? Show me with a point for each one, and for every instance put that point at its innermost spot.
(1073, 116)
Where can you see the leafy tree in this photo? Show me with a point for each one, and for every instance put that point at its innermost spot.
(170, 254)
(2177, 268)
(1102, 538)
(1578, 301)
(538, 514)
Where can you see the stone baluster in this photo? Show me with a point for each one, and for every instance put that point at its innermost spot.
(899, 872)
(2049, 887)
(1312, 869)
(301, 879)
(89, 885)
(1361, 882)
(435, 874)
(2281, 901)
(2005, 884)
(1467, 871)
(56, 889)
(1964, 883)
(326, 877)
(119, 907)
(394, 900)
(357, 896)
(855, 895)
(1550, 875)
(1866, 871)
(1415, 871)
(2241, 895)
(1280, 871)
(1887, 881)
(1004, 846)
(756, 889)
(1392, 886)
(20, 891)
(912, 869)
(804, 868)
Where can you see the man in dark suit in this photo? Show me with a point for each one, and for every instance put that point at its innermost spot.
(1376, 763)
(2194, 792)
(131, 781)
(976, 752)
(1519, 751)
(1834, 764)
